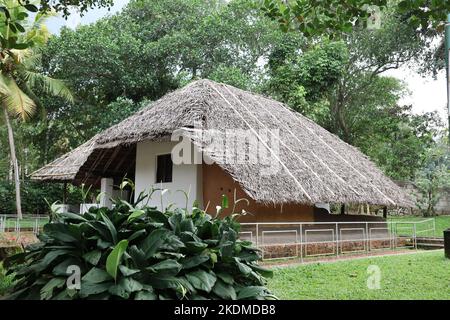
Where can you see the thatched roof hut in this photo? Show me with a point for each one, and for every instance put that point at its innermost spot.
(316, 166)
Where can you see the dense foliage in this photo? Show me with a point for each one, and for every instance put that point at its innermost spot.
(35, 196)
(333, 16)
(140, 253)
(119, 64)
(5, 280)
(434, 177)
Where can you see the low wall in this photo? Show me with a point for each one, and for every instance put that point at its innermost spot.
(14, 239)
(279, 251)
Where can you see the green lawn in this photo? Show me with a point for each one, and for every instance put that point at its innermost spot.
(442, 223)
(424, 275)
(26, 222)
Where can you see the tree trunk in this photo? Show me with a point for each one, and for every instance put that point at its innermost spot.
(430, 205)
(11, 170)
(12, 148)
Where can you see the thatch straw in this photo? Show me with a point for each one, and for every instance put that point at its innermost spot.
(315, 165)
(67, 166)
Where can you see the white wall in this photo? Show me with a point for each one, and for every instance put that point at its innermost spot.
(184, 176)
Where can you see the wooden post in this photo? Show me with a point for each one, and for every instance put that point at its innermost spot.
(107, 192)
(385, 212)
(65, 193)
(343, 208)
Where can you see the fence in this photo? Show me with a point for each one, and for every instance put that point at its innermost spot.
(312, 239)
(297, 239)
(9, 223)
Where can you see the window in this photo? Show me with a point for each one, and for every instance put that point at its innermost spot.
(164, 168)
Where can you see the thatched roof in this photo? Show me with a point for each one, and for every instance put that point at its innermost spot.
(315, 165)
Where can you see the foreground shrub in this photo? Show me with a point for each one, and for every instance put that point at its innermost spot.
(6, 281)
(131, 253)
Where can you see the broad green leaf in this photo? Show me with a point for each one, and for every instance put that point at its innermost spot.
(164, 282)
(225, 277)
(135, 214)
(72, 216)
(251, 292)
(111, 227)
(243, 267)
(47, 290)
(127, 271)
(202, 280)
(145, 295)
(96, 275)
(31, 7)
(138, 256)
(63, 295)
(224, 290)
(93, 257)
(136, 235)
(49, 258)
(61, 268)
(175, 221)
(168, 255)
(113, 260)
(195, 247)
(103, 244)
(194, 261)
(89, 288)
(130, 284)
(187, 225)
(213, 256)
(262, 271)
(60, 232)
(169, 266)
(118, 290)
(102, 229)
(153, 241)
(248, 256)
(172, 242)
(184, 282)
(158, 216)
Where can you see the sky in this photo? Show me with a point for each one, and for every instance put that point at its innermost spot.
(426, 94)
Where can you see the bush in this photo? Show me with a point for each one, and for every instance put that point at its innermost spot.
(140, 253)
(6, 281)
(34, 196)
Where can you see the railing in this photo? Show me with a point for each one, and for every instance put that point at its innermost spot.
(311, 239)
(10, 223)
(297, 239)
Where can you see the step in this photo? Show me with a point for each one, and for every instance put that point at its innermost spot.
(430, 241)
(430, 238)
(430, 245)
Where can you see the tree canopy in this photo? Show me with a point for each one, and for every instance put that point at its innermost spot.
(118, 64)
(315, 17)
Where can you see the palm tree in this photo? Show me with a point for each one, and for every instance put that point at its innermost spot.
(20, 76)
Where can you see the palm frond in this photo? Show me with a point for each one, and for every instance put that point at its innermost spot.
(50, 85)
(21, 55)
(4, 90)
(37, 31)
(15, 100)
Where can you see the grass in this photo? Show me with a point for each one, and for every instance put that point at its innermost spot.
(26, 222)
(424, 275)
(442, 223)
(29, 223)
